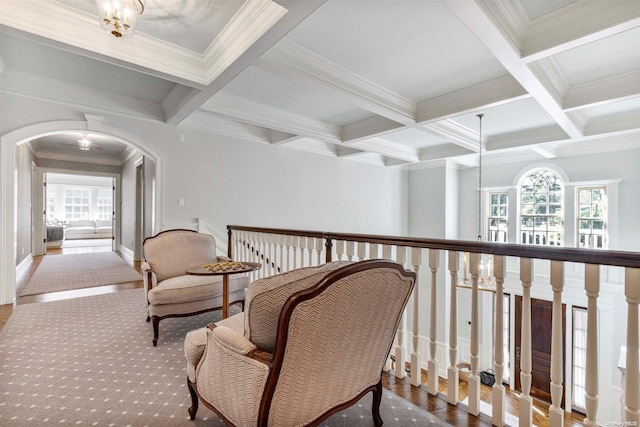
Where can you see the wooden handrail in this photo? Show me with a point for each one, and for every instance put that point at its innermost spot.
(579, 255)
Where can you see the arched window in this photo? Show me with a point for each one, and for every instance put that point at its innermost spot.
(541, 208)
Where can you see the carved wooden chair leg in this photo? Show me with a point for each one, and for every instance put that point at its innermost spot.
(156, 329)
(375, 406)
(194, 400)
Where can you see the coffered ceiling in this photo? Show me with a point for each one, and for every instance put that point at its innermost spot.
(394, 82)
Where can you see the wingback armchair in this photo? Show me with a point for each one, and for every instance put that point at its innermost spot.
(310, 343)
(170, 292)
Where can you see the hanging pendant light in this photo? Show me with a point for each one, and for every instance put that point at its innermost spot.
(120, 17)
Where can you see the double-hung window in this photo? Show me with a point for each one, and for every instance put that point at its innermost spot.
(105, 204)
(76, 203)
(541, 209)
(498, 219)
(592, 217)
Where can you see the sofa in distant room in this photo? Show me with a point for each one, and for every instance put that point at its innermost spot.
(88, 229)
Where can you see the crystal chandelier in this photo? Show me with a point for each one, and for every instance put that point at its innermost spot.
(119, 17)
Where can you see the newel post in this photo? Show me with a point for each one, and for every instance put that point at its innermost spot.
(328, 245)
(632, 388)
(592, 288)
(229, 249)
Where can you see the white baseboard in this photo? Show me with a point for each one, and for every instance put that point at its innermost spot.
(126, 253)
(24, 265)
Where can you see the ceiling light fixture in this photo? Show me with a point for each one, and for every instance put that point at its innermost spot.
(485, 266)
(84, 143)
(120, 17)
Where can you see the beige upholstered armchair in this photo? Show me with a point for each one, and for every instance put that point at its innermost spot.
(310, 343)
(170, 292)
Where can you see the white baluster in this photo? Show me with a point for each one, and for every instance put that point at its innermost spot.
(592, 288)
(362, 251)
(632, 378)
(416, 370)
(432, 365)
(473, 381)
(556, 414)
(339, 250)
(295, 242)
(374, 251)
(498, 392)
(386, 251)
(310, 242)
(400, 351)
(452, 373)
(287, 242)
(526, 403)
(281, 240)
(350, 250)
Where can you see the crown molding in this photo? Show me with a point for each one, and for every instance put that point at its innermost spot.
(603, 91)
(253, 19)
(509, 17)
(293, 59)
(81, 97)
(492, 93)
(442, 151)
(526, 137)
(368, 128)
(314, 146)
(617, 124)
(577, 24)
(273, 118)
(551, 76)
(455, 133)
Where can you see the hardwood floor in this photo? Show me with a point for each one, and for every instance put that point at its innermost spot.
(436, 405)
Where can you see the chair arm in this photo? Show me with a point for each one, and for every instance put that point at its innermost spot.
(148, 279)
(228, 378)
(241, 345)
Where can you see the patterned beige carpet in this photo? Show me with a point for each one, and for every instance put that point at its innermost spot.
(89, 361)
(74, 271)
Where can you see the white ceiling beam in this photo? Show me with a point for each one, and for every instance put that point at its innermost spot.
(474, 17)
(492, 93)
(243, 55)
(622, 123)
(546, 152)
(281, 138)
(388, 149)
(86, 99)
(612, 89)
(291, 59)
(455, 133)
(578, 24)
(526, 137)
(346, 152)
(273, 118)
(442, 151)
(219, 125)
(368, 128)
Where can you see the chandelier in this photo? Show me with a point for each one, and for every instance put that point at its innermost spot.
(485, 262)
(119, 17)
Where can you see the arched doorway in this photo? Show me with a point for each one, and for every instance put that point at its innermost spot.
(8, 180)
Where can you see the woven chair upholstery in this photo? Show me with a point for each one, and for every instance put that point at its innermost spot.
(332, 335)
(170, 292)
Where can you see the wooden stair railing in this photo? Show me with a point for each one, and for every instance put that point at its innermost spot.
(286, 249)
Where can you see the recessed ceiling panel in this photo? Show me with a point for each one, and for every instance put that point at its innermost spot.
(417, 49)
(607, 57)
(295, 96)
(508, 118)
(101, 145)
